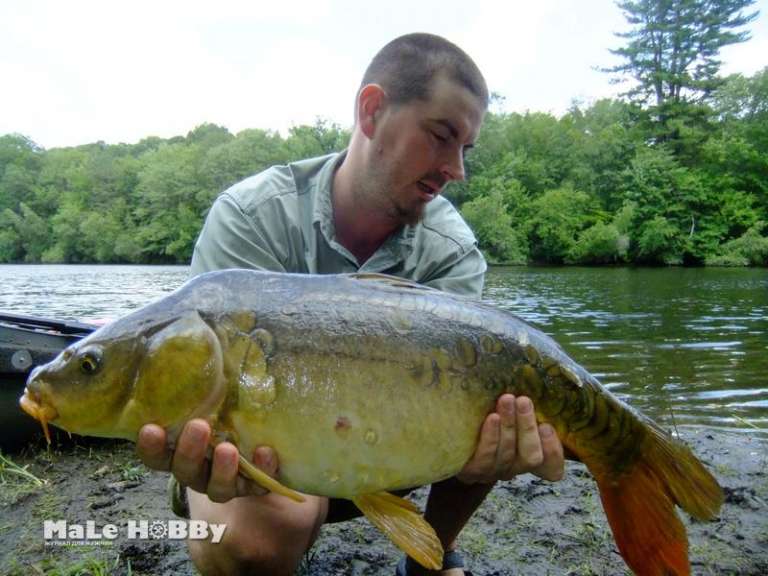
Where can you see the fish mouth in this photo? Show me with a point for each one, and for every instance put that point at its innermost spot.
(33, 405)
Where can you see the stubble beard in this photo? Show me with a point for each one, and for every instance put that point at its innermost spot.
(412, 216)
(377, 192)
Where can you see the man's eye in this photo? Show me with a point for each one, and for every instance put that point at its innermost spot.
(439, 137)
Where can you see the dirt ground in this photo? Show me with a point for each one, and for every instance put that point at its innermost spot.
(526, 527)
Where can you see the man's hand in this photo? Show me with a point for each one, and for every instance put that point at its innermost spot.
(191, 467)
(512, 443)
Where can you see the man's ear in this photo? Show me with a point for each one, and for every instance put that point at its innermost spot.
(370, 104)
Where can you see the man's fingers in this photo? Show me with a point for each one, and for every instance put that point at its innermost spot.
(265, 459)
(222, 485)
(152, 449)
(481, 466)
(189, 460)
(529, 451)
(553, 466)
(506, 452)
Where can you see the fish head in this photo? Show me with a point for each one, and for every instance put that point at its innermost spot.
(124, 376)
(84, 386)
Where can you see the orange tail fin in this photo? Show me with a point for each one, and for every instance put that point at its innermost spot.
(640, 504)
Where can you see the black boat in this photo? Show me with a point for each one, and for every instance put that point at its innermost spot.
(26, 342)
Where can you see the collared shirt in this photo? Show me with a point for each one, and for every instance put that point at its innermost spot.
(282, 220)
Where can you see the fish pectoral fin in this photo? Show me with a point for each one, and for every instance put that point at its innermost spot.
(401, 521)
(266, 481)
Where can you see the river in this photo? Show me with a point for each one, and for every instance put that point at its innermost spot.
(685, 346)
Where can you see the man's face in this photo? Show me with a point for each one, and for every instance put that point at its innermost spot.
(419, 147)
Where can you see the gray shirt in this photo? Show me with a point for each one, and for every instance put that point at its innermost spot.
(282, 220)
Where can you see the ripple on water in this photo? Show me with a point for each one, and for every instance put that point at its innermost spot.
(699, 345)
(685, 346)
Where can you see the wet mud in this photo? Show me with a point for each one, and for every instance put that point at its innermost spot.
(525, 527)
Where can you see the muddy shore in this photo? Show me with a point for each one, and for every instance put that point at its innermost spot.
(526, 527)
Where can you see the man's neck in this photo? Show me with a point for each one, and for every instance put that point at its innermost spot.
(360, 228)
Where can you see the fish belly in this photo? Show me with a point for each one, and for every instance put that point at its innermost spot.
(360, 390)
(347, 426)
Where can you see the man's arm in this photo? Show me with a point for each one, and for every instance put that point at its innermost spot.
(466, 276)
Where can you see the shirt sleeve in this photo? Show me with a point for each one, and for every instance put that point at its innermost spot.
(230, 239)
(465, 277)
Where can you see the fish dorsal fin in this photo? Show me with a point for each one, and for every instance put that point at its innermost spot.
(401, 521)
(388, 280)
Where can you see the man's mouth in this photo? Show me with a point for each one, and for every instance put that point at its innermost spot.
(428, 191)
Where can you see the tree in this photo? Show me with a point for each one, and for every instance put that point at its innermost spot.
(673, 48)
(659, 242)
(606, 146)
(489, 218)
(557, 218)
(31, 230)
(19, 165)
(317, 140)
(599, 244)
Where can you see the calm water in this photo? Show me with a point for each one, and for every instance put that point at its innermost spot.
(686, 346)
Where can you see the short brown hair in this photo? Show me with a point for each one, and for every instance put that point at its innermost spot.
(407, 65)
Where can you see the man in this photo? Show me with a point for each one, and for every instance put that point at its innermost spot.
(375, 208)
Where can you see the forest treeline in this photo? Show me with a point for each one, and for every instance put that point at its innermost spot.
(594, 186)
(602, 185)
(675, 171)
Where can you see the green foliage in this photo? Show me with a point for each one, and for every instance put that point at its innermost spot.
(26, 231)
(659, 242)
(595, 186)
(316, 140)
(557, 217)
(492, 223)
(599, 244)
(750, 249)
(671, 56)
(672, 47)
(132, 203)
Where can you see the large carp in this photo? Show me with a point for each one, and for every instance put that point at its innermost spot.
(365, 384)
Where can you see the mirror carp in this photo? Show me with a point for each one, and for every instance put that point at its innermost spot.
(365, 384)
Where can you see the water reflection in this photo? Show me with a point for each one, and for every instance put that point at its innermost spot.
(85, 293)
(687, 346)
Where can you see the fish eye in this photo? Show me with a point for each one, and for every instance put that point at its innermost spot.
(90, 361)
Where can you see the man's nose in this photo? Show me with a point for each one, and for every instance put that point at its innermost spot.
(453, 169)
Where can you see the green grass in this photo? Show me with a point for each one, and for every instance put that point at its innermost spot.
(89, 566)
(712, 554)
(473, 541)
(725, 470)
(12, 473)
(85, 567)
(132, 472)
(48, 505)
(17, 481)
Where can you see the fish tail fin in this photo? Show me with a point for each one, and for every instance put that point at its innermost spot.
(401, 521)
(640, 504)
